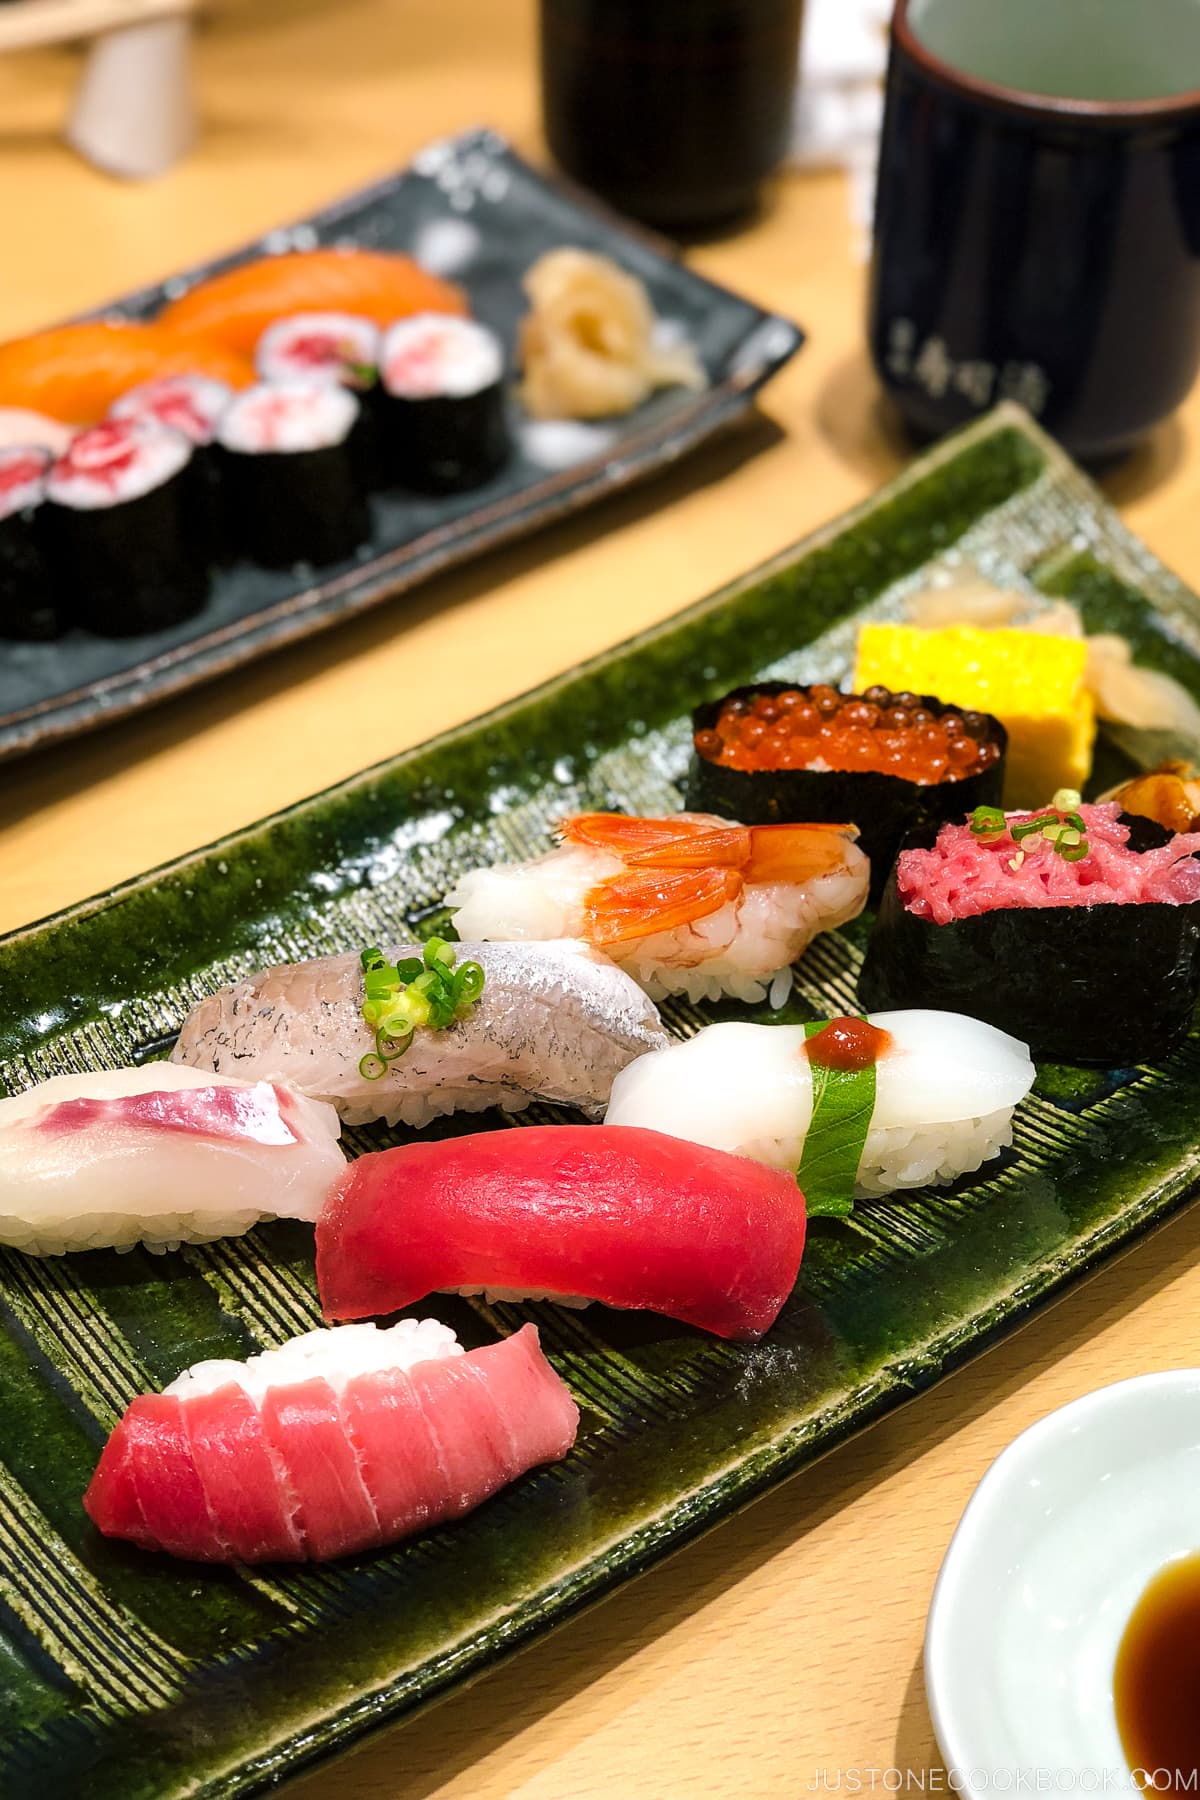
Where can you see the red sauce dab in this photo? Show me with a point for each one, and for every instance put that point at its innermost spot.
(847, 1043)
(877, 732)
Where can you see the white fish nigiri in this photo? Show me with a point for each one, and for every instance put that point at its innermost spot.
(691, 904)
(945, 1090)
(160, 1156)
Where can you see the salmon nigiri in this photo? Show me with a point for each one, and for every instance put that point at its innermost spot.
(629, 1217)
(235, 307)
(75, 372)
(336, 1442)
(691, 904)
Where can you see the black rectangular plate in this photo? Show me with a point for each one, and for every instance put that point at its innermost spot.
(499, 215)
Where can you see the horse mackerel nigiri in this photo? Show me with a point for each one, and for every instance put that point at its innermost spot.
(553, 1022)
(691, 904)
(632, 1218)
(337, 1441)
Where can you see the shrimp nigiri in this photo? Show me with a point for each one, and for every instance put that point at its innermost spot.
(337, 1441)
(691, 905)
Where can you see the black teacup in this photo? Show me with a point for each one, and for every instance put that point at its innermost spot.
(1037, 231)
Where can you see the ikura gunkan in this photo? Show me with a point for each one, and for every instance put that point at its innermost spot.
(123, 528)
(291, 469)
(1072, 927)
(443, 426)
(28, 608)
(776, 752)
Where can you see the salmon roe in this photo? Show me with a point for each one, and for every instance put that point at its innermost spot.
(820, 729)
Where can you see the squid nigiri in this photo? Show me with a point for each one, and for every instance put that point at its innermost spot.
(692, 904)
(553, 1022)
(338, 1441)
(158, 1155)
(939, 1105)
(569, 1213)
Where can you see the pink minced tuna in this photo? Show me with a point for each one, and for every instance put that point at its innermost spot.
(963, 875)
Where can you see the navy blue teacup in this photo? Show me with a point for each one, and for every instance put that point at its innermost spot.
(1037, 231)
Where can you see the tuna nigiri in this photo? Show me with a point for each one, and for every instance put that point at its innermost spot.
(235, 307)
(338, 1441)
(565, 1212)
(159, 1155)
(553, 1022)
(692, 904)
(75, 372)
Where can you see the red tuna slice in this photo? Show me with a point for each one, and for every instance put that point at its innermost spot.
(393, 1453)
(468, 1425)
(242, 1481)
(400, 1459)
(304, 1426)
(149, 1452)
(614, 1213)
(494, 1414)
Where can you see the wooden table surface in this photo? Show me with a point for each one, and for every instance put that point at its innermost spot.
(784, 1648)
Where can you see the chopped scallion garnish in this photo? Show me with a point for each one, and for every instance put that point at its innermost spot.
(421, 992)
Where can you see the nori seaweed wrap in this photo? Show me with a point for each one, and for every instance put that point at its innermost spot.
(291, 475)
(28, 608)
(1107, 985)
(194, 406)
(886, 808)
(443, 426)
(120, 529)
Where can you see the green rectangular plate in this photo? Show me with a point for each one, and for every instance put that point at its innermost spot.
(128, 1675)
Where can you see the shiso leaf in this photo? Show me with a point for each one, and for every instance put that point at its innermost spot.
(843, 1102)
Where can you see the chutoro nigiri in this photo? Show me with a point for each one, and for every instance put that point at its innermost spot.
(553, 1022)
(940, 1103)
(565, 1212)
(158, 1155)
(338, 1441)
(690, 905)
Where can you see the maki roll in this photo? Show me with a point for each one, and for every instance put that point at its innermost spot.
(27, 604)
(773, 753)
(290, 472)
(342, 350)
(121, 528)
(192, 405)
(189, 404)
(443, 423)
(1074, 928)
(339, 348)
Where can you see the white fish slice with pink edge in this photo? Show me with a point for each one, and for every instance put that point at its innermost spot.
(160, 1155)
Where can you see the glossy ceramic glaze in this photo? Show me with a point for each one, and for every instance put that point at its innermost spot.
(130, 1677)
(480, 215)
(1056, 1548)
(1035, 248)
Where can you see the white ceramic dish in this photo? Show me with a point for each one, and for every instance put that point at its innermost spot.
(1055, 1549)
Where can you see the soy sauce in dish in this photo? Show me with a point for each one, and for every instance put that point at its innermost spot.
(1156, 1681)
